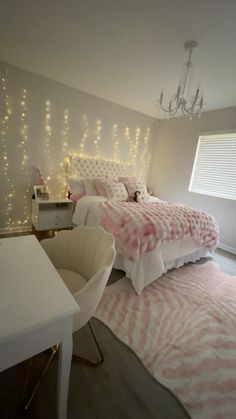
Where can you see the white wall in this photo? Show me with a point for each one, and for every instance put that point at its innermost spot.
(173, 157)
(82, 109)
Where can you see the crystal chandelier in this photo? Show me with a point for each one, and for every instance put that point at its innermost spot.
(181, 104)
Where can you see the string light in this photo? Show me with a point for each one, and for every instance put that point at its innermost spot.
(131, 145)
(145, 155)
(85, 134)
(129, 141)
(134, 145)
(24, 165)
(63, 176)
(65, 131)
(48, 134)
(97, 138)
(116, 150)
(10, 192)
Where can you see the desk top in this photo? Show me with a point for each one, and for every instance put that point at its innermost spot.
(32, 292)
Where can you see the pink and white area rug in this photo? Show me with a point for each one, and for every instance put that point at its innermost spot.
(183, 329)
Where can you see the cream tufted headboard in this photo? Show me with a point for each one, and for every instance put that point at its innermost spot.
(91, 167)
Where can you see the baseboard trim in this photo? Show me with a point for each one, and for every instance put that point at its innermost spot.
(13, 230)
(227, 248)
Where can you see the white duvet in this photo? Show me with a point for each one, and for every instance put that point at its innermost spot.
(88, 210)
(151, 265)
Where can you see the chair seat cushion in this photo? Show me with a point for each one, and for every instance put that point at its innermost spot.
(73, 280)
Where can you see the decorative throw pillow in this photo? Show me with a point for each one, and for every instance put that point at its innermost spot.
(99, 186)
(76, 186)
(89, 186)
(113, 189)
(136, 184)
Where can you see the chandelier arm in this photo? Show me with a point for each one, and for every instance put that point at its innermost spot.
(195, 107)
(184, 110)
(168, 109)
(188, 110)
(163, 108)
(174, 112)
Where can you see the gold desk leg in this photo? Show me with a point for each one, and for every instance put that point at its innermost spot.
(54, 350)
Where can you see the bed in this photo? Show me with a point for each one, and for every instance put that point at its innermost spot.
(145, 266)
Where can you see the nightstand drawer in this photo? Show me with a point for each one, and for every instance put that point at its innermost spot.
(54, 219)
(52, 215)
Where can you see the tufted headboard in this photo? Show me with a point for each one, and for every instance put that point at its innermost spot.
(92, 167)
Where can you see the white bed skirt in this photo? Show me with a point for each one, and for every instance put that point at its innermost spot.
(154, 264)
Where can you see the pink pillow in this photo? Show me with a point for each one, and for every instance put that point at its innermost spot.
(113, 189)
(99, 186)
(136, 184)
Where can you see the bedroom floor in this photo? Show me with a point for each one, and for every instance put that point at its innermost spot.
(119, 388)
(226, 260)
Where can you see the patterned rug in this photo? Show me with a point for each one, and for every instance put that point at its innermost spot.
(183, 329)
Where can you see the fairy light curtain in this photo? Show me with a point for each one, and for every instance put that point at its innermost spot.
(129, 152)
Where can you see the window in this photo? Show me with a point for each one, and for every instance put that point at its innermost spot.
(214, 169)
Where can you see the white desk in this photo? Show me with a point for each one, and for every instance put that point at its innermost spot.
(36, 309)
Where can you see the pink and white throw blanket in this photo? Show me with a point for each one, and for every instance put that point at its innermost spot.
(139, 228)
(183, 329)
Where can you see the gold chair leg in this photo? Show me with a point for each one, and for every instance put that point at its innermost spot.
(88, 361)
(27, 404)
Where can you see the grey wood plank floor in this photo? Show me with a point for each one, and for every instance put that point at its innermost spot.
(119, 388)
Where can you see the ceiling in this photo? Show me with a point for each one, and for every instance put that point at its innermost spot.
(125, 51)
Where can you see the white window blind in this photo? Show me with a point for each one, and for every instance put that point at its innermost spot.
(214, 169)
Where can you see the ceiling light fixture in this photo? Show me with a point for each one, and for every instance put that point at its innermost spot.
(183, 102)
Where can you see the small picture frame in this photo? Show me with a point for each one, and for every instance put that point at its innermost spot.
(40, 192)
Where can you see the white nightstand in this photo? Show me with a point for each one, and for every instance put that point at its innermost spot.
(52, 214)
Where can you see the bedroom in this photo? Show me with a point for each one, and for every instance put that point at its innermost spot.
(79, 81)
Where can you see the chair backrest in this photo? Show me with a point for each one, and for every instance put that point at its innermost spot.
(90, 252)
(82, 250)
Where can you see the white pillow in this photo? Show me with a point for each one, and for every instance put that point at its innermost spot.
(76, 186)
(89, 186)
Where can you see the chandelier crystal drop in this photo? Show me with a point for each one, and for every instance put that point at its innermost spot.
(181, 104)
